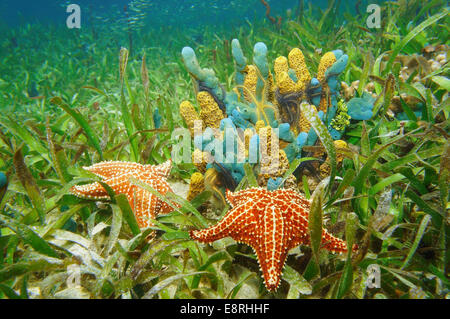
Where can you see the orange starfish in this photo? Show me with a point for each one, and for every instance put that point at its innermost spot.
(116, 174)
(272, 223)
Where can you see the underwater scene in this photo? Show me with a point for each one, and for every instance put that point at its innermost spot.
(257, 149)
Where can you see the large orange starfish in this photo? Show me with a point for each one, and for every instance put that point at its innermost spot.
(116, 174)
(272, 223)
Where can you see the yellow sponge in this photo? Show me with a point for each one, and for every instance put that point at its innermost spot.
(189, 114)
(196, 186)
(325, 62)
(210, 112)
(250, 82)
(340, 144)
(297, 62)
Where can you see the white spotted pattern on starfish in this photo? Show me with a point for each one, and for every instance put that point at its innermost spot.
(272, 223)
(116, 175)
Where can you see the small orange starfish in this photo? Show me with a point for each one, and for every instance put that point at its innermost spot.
(272, 223)
(116, 175)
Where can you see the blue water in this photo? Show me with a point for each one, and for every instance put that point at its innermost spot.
(160, 12)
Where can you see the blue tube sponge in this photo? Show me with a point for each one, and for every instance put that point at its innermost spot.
(260, 58)
(316, 90)
(236, 170)
(338, 67)
(332, 73)
(361, 108)
(238, 55)
(191, 63)
(285, 133)
(301, 140)
(248, 112)
(240, 59)
(335, 134)
(338, 53)
(207, 76)
(231, 102)
(239, 120)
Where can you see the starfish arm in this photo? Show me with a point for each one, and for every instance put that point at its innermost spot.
(160, 185)
(273, 247)
(296, 217)
(162, 170)
(109, 169)
(300, 234)
(333, 244)
(120, 184)
(146, 206)
(228, 226)
(292, 202)
(166, 208)
(93, 191)
(330, 243)
(240, 197)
